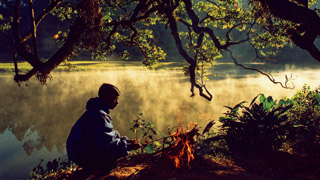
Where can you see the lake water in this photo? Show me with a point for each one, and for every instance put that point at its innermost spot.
(35, 120)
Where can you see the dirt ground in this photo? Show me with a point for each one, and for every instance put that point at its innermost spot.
(275, 166)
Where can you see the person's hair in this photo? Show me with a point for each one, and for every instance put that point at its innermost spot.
(108, 90)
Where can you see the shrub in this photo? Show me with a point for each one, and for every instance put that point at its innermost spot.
(305, 119)
(52, 170)
(260, 127)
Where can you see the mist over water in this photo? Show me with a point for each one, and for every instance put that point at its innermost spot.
(36, 120)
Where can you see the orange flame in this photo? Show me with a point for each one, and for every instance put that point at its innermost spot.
(177, 162)
(56, 36)
(182, 148)
(191, 125)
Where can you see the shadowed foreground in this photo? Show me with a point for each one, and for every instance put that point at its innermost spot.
(276, 166)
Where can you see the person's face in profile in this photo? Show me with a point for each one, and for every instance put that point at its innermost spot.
(112, 101)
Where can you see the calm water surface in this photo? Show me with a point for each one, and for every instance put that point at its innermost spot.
(35, 120)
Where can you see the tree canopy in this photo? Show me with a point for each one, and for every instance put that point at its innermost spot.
(203, 30)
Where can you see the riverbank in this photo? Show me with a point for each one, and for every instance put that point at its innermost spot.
(255, 167)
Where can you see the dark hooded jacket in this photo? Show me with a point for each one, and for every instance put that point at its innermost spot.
(93, 132)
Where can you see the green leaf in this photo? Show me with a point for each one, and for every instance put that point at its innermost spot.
(262, 98)
(283, 102)
(156, 143)
(269, 103)
(297, 125)
(149, 149)
(149, 124)
(318, 97)
(254, 99)
(153, 131)
(208, 127)
(144, 134)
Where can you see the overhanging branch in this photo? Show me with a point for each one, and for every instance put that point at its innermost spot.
(269, 76)
(192, 62)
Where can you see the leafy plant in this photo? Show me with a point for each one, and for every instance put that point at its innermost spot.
(305, 119)
(51, 169)
(260, 127)
(213, 145)
(147, 130)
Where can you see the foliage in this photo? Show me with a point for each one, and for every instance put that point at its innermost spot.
(147, 131)
(178, 147)
(305, 118)
(214, 145)
(290, 125)
(200, 30)
(51, 169)
(65, 11)
(273, 29)
(211, 143)
(260, 127)
(4, 24)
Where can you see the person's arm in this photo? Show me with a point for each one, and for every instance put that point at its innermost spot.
(107, 139)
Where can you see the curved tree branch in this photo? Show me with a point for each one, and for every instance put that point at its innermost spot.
(195, 24)
(269, 76)
(192, 67)
(77, 29)
(48, 10)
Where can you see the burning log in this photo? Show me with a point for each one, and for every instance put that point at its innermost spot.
(182, 147)
(178, 148)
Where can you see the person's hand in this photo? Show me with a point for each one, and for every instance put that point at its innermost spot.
(133, 144)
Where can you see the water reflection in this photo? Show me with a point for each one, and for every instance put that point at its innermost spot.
(38, 118)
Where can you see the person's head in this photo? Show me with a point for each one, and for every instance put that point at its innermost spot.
(109, 94)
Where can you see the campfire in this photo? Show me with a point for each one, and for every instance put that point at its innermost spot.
(182, 147)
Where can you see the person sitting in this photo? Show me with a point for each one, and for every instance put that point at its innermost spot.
(93, 144)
